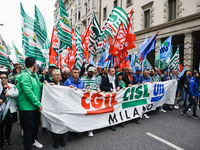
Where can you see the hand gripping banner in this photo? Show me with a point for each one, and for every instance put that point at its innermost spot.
(66, 109)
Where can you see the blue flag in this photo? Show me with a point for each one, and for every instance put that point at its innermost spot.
(165, 50)
(146, 47)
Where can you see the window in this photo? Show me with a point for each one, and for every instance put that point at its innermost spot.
(147, 18)
(75, 16)
(79, 15)
(115, 3)
(172, 9)
(88, 21)
(88, 4)
(128, 2)
(79, 1)
(104, 13)
(71, 12)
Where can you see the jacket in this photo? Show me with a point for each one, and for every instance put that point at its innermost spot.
(12, 93)
(79, 84)
(193, 87)
(29, 91)
(106, 85)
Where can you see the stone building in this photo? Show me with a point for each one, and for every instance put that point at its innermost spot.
(179, 18)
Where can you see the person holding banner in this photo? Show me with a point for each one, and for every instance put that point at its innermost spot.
(10, 112)
(29, 97)
(193, 95)
(128, 77)
(110, 84)
(58, 139)
(138, 75)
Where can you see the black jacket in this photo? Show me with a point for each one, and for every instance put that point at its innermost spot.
(106, 85)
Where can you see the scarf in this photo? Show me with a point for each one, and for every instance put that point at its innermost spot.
(130, 77)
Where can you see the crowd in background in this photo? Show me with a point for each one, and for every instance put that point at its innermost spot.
(23, 85)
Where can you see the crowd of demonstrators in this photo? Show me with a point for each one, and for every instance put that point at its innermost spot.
(22, 89)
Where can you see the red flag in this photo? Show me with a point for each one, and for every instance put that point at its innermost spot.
(85, 39)
(71, 58)
(54, 44)
(130, 37)
(117, 44)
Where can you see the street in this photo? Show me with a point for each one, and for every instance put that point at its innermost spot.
(163, 131)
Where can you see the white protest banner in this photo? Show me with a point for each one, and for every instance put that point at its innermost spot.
(66, 109)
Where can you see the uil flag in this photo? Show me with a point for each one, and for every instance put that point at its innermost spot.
(146, 47)
(117, 44)
(165, 50)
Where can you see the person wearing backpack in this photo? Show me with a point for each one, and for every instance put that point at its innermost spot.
(193, 95)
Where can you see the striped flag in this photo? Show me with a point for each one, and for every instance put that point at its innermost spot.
(40, 26)
(117, 16)
(19, 56)
(95, 32)
(29, 40)
(64, 27)
(2, 48)
(4, 60)
(79, 56)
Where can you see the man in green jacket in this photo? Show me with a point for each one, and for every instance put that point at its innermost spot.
(29, 95)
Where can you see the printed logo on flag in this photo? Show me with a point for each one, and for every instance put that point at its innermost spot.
(113, 18)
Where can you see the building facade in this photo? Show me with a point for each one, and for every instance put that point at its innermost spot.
(179, 18)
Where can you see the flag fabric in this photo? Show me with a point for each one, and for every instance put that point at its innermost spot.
(30, 43)
(2, 47)
(64, 27)
(146, 47)
(8, 49)
(174, 62)
(117, 16)
(104, 56)
(146, 65)
(117, 44)
(40, 26)
(53, 48)
(165, 50)
(95, 32)
(19, 56)
(4, 60)
(79, 56)
(72, 51)
(85, 39)
(135, 62)
(157, 60)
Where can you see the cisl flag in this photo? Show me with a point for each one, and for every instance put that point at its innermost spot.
(117, 44)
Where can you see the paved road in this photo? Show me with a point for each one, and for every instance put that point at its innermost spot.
(171, 126)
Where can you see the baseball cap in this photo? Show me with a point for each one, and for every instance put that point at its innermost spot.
(91, 69)
(52, 66)
(119, 73)
(138, 69)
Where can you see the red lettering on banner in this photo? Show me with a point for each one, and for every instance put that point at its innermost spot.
(97, 101)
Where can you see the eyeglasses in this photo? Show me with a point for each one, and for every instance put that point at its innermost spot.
(4, 78)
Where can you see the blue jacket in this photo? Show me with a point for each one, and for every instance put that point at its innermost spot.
(146, 79)
(193, 87)
(70, 81)
(138, 78)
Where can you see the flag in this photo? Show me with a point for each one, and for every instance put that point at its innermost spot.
(4, 60)
(130, 37)
(146, 65)
(72, 51)
(40, 26)
(146, 47)
(95, 32)
(85, 39)
(104, 56)
(174, 62)
(157, 60)
(30, 42)
(8, 49)
(64, 27)
(2, 47)
(53, 48)
(117, 44)
(19, 56)
(79, 56)
(117, 16)
(165, 50)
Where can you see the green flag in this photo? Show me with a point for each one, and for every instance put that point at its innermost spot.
(117, 16)
(4, 60)
(30, 43)
(64, 27)
(19, 56)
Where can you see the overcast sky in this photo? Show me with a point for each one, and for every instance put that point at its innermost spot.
(11, 18)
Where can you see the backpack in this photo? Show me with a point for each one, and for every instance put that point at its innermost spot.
(186, 86)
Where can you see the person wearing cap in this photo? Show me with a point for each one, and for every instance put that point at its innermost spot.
(121, 83)
(90, 81)
(137, 75)
(48, 76)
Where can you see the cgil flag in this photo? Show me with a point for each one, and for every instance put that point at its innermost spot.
(146, 47)
(117, 16)
(19, 56)
(64, 27)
